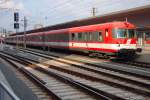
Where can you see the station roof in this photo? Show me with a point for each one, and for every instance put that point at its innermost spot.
(115, 16)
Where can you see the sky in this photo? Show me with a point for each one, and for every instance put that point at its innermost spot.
(51, 12)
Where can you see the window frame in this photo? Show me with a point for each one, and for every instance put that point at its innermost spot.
(114, 35)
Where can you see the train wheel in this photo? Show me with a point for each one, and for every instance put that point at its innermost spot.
(106, 56)
(91, 54)
(103, 56)
(48, 49)
(44, 48)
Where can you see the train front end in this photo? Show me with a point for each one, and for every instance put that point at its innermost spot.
(125, 40)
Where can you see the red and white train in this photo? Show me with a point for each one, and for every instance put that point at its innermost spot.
(113, 38)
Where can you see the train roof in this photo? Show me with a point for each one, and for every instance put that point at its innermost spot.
(103, 25)
(85, 28)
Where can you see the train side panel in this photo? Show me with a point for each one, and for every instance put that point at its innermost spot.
(100, 38)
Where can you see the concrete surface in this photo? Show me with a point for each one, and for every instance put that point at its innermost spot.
(3, 93)
(17, 85)
(3, 79)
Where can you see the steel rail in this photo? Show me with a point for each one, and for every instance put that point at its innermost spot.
(142, 92)
(31, 76)
(9, 91)
(135, 63)
(97, 93)
(97, 71)
(116, 69)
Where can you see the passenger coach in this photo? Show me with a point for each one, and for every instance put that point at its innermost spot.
(114, 38)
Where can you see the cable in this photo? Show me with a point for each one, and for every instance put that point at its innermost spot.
(83, 9)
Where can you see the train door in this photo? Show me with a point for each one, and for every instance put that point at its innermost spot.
(74, 37)
(100, 36)
(43, 41)
(89, 39)
(86, 35)
(106, 35)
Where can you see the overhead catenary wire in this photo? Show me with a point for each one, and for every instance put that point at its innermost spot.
(74, 14)
(70, 10)
(79, 4)
(64, 5)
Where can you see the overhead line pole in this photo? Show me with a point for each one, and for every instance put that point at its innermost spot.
(94, 12)
(17, 38)
(25, 27)
(16, 26)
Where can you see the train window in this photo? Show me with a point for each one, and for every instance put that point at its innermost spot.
(65, 37)
(90, 36)
(62, 37)
(49, 37)
(100, 37)
(40, 38)
(73, 36)
(34, 38)
(94, 36)
(124, 33)
(86, 36)
(58, 37)
(80, 36)
(120, 33)
(131, 33)
(54, 37)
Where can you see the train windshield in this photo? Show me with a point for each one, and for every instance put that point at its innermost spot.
(124, 33)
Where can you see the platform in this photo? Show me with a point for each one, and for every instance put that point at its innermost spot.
(6, 92)
(16, 85)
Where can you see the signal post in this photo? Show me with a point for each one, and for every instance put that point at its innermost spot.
(16, 26)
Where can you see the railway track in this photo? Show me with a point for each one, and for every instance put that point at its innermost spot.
(135, 64)
(111, 67)
(106, 74)
(35, 84)
(124, 88)
(65, 88)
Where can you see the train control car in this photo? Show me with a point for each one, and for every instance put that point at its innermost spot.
(107, 39)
